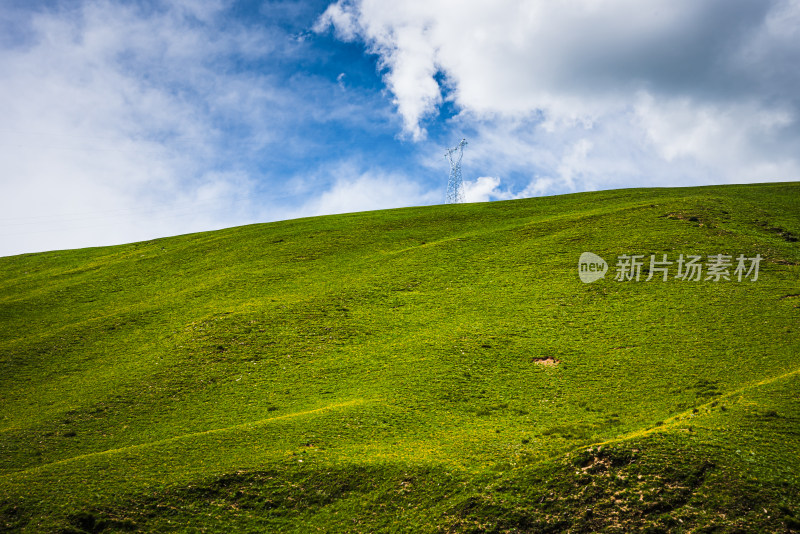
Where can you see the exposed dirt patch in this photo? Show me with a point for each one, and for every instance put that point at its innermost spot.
(682, 216)
(785, 234)
(546, 361)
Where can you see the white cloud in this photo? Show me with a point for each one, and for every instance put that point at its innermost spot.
(406, 51)
(484, 189)
(721, 136)
(353, 191)
(664, 91)
(109, 131)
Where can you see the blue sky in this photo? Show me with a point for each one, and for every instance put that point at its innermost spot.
(128, 120)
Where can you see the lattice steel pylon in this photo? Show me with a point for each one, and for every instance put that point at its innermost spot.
(455, 188)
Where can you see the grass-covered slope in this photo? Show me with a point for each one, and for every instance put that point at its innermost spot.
(427, 369)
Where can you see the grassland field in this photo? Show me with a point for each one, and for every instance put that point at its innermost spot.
(431, 369)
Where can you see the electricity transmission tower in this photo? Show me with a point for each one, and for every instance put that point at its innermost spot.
(455, 189)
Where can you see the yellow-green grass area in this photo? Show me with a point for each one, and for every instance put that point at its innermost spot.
(433, 369)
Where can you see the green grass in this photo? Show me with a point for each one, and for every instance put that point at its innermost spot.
(382, 371)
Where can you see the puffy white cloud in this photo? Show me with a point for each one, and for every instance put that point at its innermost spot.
(126, 121)
(484, 189)
(406, 50)
(730, 136)
(353, 191)
(101, 140)
(662, 92)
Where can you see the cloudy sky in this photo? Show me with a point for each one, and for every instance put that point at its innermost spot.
(127, 120)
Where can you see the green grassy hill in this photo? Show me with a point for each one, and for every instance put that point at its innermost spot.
(432, 369)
